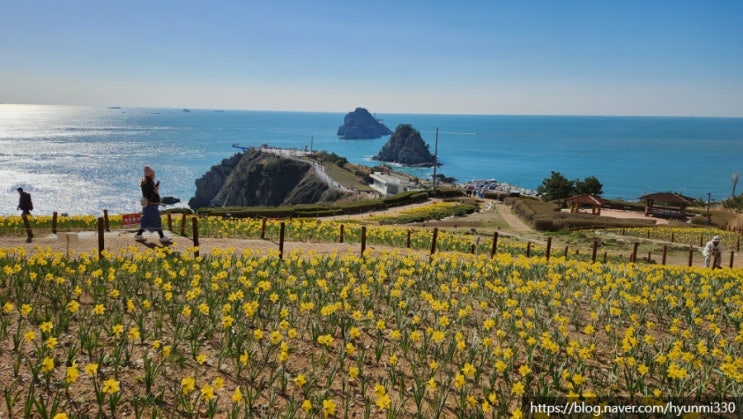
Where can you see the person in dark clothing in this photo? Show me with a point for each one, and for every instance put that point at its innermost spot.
(150, 207)
(24, 202)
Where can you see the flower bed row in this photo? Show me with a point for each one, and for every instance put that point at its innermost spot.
(158, 334)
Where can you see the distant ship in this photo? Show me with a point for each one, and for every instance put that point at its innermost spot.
(187, 110)
(114, 107)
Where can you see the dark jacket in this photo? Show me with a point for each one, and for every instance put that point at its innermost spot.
(150, 190)
(24, 203)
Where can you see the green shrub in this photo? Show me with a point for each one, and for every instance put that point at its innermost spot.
(404, 198)
(546, 216)
(448, 193)
(434, 212)
(318, 213)
(719, 219)
(322, 209)
(500, 196)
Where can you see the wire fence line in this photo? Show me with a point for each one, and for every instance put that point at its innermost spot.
(101, 233)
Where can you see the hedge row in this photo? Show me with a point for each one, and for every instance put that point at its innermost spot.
(319, 210)
(546, 216)
(459, 209)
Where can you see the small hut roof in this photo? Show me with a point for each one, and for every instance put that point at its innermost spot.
(668, 197)
(588, 199)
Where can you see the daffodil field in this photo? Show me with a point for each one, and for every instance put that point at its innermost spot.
(155, 333)
(298, 229)
(13, 225)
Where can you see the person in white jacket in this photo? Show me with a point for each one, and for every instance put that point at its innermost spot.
(712, 252)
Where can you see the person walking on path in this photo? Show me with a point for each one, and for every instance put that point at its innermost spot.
(24, 202)
(26, 205)
(150, 207)
(712, 253)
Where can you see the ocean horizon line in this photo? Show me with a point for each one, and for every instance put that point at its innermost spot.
(443, 114)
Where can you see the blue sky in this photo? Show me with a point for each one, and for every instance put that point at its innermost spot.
(486, 57)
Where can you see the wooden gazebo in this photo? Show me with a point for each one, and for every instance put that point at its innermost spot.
(595, 202)
(666, 204)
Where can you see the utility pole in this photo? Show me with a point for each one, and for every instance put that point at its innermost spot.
(312, 140)
(435, 158)
(709, 198)
(736, 178)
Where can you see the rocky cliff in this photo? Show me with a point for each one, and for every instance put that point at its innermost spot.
(360, 124)
(259, 178)
(406, 147)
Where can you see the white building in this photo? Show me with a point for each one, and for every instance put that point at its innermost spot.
(389, 184)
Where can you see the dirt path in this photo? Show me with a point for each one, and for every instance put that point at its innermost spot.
(514, 222)
(122, 242)
(493, 216)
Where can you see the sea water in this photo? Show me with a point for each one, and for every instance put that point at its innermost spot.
(81, 160)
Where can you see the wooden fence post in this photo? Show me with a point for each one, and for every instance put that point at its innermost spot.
(665, 252)
(340, 239)
(195, 229)
(263, 229)
(170, 222)
(528, 249)
(408, 242)
(101, 241)
(595, 248)
(363, 240)
(54, 222)
(633, 258)
(183, 224)
(732, 255)
(433, 239)
(548, 249)
(691, 254)
(105, 219)
(495, 244)
(566, 253)
(281, 241)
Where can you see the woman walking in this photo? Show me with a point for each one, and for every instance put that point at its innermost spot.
(150, 207)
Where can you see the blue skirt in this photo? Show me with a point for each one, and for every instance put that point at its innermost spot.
(151, 218)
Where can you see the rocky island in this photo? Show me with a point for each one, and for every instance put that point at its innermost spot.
(360, 124)
(406, 147)
(261, 178)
